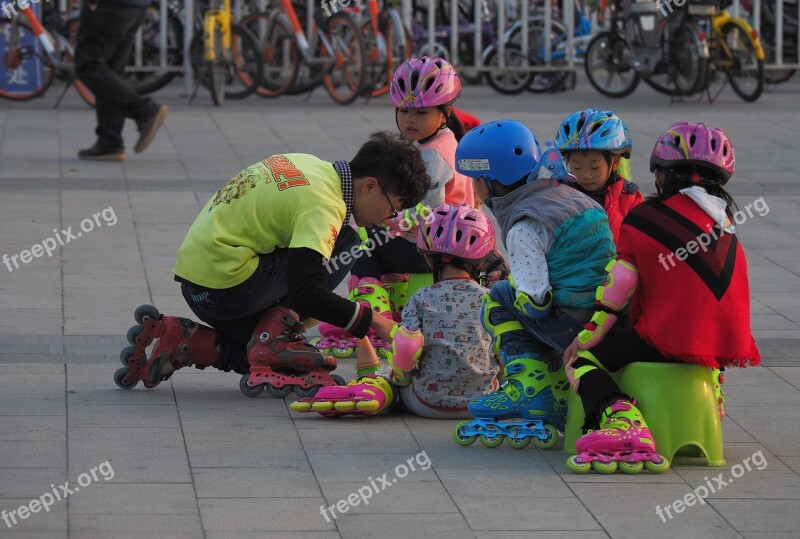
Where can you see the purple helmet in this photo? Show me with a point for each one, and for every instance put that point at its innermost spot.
(427, 82)
(694, 144)
(459, 231)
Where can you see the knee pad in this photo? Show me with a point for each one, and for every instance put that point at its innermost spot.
(491, 306)
(579, 365)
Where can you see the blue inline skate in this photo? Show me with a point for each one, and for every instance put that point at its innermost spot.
(525, 397)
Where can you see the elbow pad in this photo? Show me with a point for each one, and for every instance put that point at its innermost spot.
(404, 355)
(596, 330)
(619, 286)
(527, 306)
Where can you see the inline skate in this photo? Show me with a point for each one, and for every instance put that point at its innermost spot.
(525, 393)
(623, 442)
(339, 342)
(281, 361)
(181, 342)
(366, 395)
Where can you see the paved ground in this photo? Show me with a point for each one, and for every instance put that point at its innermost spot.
(194, 458)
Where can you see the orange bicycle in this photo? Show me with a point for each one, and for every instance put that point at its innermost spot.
(32, 57)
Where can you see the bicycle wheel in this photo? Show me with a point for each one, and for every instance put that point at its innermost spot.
(279, 54)
(775, 76)
(608, 65)
(745, 72)
(544, 81)
(509, 82)
(398, 44)
(684, 71)
(244, 69)
(217, 69)
(149, 82)
(25, 67)
(344, 77)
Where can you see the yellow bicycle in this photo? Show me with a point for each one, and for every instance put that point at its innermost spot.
(231, 65)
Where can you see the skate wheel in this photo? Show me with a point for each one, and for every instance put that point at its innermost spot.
(604, 468)
(134, 332)
(119, 375)
(370, 406)
(324, 406)
(575, 465)
(313, 342)
(126, 354)
(516, 442)
(300, 406)
(630, 467)
(247, 389)
(278, 392)
(657, 467)
(460, 438)
(551, 439)
(342, 351)
(344, 406)
(339, 380)
(305, 392)
(146, 310)
(492, 440)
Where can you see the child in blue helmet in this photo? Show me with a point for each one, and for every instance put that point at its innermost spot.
(594, 142)
(559, 243)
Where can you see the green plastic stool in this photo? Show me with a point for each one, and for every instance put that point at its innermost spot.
(677, 401)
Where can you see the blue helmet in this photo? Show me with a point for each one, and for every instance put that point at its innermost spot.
(600, 130)
(504, 151)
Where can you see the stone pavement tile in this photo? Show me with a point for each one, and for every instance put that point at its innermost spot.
(32, 394)
(493, 480)
(784, 303)
(751, 376)
(94, 384)
(418, 497)
(565, 534)
(790, 374)
(792, 462)
(767, 276)
(273, 535)
(122, 415)
(42, 522)
(312, 420)
(33, 535)
(760, 515)
(28, 482)
(33, 428)
(770, 535)
(757, 307)
(754, 484)
(780, 394)
(638, 503)
(771, 321)
(219, 446)
(733, 432)
(162, 171)
(778, 430)
(518, 513)
(342, 468)
(28, 368)
(30, 321)
(263, 514)
(290, 479)
(357, 440)
(402, 526)
(118, 498)
(33, 454)
(137, 455)
(135, 526)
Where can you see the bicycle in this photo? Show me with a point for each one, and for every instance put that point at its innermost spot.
(334, 56)
(671, 56)
(737, 52)
(32, 56)
(226, 56)
(387, 43)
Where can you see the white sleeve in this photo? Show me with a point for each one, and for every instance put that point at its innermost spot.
(441, 174)
(527, 244)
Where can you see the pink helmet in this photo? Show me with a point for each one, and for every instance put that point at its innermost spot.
(427, 82)
(459, 231)
(694, 144)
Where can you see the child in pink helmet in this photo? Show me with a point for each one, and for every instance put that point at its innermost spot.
(682, 269)
(440, 356)
(423, 92)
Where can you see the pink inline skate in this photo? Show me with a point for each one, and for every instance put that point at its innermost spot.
(623, 442)
(181, 342)
(366, 395)
(281, 361)
(340, 343)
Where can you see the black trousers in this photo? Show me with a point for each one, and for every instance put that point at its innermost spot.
(597, 389)
(105, 39)
(234, 312)
(395, 255)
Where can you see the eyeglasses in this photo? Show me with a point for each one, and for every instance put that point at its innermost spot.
(394, 211)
